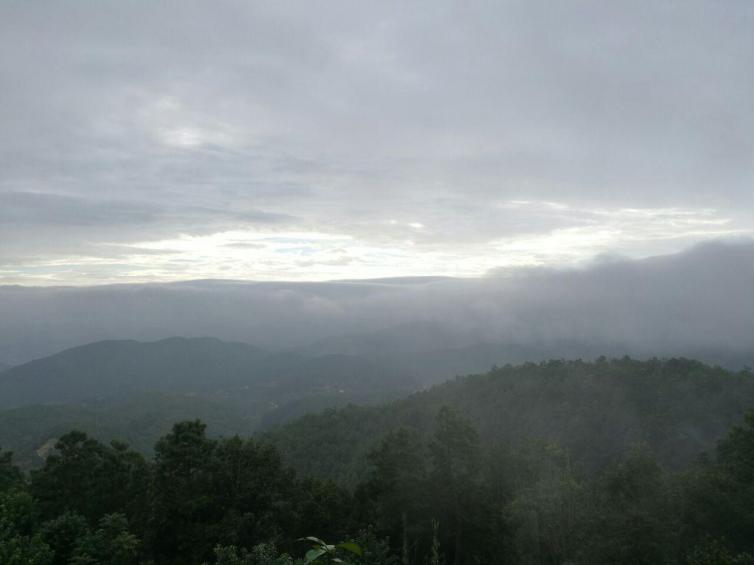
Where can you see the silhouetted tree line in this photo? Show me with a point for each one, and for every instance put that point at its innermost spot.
(451, 500)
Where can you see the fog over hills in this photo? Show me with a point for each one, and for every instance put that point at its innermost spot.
(378, 283)
(659, 306)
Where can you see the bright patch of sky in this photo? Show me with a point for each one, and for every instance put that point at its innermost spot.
(308, 256)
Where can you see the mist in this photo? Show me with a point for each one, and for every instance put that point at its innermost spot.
(697, 302)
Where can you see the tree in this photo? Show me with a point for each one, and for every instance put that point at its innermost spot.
(10, 475)
(229, 492)
(715, 552)
(262, 554)
(633, 517)
(323, 552)
(720, 495)
(394, 496)
(456, 465)
(110, 543)
(547, 506)
(251, 493)
(182, 505)
(20, 544)
(92, 479)
(63, 534)
(324, 508)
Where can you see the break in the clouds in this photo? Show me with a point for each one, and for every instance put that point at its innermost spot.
(145, 141)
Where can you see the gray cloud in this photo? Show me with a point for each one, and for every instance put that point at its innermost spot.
(141, 121)
(32, 208)
(696, 303)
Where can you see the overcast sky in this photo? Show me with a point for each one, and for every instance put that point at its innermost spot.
(156, 141)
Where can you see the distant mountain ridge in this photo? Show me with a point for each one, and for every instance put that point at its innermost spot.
(237, 372)
(137, 390)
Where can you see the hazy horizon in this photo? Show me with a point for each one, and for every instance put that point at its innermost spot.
(693, 302)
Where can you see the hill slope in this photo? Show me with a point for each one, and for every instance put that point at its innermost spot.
(135, 391)
(138, 419)
(234, 371)
(595, 410)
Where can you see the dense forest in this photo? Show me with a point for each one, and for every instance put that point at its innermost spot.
(595, 410)
(135, 391)
(443, 490)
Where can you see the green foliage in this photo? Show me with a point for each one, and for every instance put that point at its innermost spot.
(262, 554)
(394, 496)
(720, 494)
(374, 550)
(20, 542)
(231, 491)
(435, 491)
(324, 507)
(714, 552)
(594, 410)
(322, 552)
(16, 549)
(91, 479)
(634, 517)
(435, 555)
(136, 391)
(10, 475)
(548, 506)
(736, 453)
(63, 534)
(110, 543)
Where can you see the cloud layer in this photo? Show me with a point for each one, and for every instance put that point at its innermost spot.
(695, 303)
(150, 141)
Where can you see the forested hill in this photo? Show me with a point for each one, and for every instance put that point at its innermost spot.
(135, 390)
(236, 371)
(596, 410)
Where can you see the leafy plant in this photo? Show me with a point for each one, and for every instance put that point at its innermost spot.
(323, 552)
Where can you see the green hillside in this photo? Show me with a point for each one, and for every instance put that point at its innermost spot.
(596, 410)
(236, 371)
(135, 391)
(138, 419)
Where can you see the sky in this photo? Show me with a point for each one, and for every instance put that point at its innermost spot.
(308, 141)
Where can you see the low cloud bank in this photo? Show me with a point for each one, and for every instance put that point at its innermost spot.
(698, 302)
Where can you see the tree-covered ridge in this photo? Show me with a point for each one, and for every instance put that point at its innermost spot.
(136, 390)
(680, 407)
(234, 372)
(596, 410)
(449, 499)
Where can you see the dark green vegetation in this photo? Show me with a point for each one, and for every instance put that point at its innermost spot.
(595, 410)
(451, 498)
(136, 391)
(139, 419)
(234, 372)
(610, 462)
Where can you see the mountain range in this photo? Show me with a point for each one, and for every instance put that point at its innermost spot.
(136, 390)
(307, 398)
